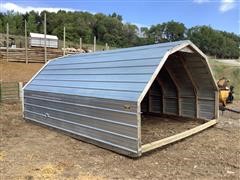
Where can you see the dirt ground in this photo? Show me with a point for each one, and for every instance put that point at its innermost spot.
(155, 128)
(28, 151)
(18, 72)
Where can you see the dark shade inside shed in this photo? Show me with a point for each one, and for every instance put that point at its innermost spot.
(181, 89)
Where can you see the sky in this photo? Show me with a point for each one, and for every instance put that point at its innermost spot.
(219, 14)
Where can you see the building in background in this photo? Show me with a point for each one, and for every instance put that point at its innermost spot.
(37, 40)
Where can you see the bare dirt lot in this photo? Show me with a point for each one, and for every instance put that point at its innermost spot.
(29, 151)
(18, 72)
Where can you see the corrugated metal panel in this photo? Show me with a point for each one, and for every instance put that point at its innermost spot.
(99, 120)
(139, 62)
(170, 104)
(186, 89)
(39, 42)
(206, 109)
(201, 76)
(155, 98)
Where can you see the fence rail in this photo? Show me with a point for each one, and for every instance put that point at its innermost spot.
(35, 55)
(10, 91)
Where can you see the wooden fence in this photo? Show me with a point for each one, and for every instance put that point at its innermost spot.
(10, 91)
(34, 55)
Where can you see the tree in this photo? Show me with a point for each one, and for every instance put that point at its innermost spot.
(32, 21)
(112, 30)
(169, 31)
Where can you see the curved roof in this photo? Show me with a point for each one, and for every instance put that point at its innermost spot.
(122, 74)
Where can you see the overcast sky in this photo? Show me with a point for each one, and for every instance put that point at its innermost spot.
(219, 14)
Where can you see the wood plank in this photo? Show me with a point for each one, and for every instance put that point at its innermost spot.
(177, 137)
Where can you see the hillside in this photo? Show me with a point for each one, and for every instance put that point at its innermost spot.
(229, 69)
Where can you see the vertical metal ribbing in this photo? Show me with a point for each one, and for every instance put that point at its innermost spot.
(177, 88)
(163, 94)
(195, 88)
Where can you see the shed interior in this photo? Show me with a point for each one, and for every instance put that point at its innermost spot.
(184, 88)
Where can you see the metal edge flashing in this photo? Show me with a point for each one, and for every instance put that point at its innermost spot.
(159, 67)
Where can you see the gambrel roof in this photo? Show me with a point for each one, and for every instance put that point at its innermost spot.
(122, 74)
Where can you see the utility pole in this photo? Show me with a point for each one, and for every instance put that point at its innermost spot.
(26, 44)
(45, 38)
(94, 44)
(80, 43)
(7, 40)
(64, 40)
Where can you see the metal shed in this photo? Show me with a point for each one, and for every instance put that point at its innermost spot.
(38, 40)
(100, 97)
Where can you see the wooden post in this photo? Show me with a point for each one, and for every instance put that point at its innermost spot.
(80, 43)
(106, 46)
(0, 91)
(45, 38)
(20, 86)
(7, 40)
(21, 97)
(94, 44)
(64, 41)
(26, 45)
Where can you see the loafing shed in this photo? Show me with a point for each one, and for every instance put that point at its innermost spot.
(101, 97)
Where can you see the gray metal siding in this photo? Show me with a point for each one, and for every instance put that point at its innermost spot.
(155, 98)
(201, 76)
(169, 92)
(206, 109)
(186, 90)
(111, 122)
(40, 42)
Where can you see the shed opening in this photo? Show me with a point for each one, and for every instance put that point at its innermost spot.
(179, 99)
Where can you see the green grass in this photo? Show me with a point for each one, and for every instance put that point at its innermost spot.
(229, 71)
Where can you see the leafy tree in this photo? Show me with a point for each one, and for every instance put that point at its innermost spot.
(112, 30)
